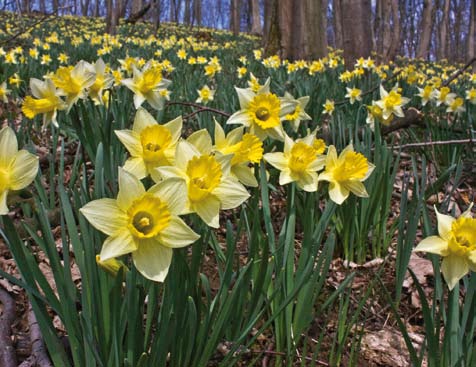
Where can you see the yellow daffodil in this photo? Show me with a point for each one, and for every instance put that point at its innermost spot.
(18, 168)
(329, 107)
(144, 223)
(245, 148)
(391, 103)
(15, 80)
(443, 96)
(456, 243)
(299, 162)
(206, 177)
(299, 114)
(4, 92)
(103, 81)
(150, 145)
(47, 101)
(471, 95)
(205, 95)
(354, 94)
(426, 94)
(262, 112)
(146, 85)
(345, 173)
(456, 106)
(74, 82)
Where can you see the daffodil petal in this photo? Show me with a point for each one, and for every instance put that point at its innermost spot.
(177, 234)
(3, 202)
(244, 96)
(8, 146)
(240, 118)
(444, 224)
(208, 209)
(130, 188)
(338, 193)
(433, 245)
(175, 128)
(118, 244)
(245, 175)
(285, 177)
(231, 193)
(152, 260)
(201, 140)
(184, 152)
(136, 166)
(23, 169)
(131, 141)
(357, 188)
(454, 268)
(142, 120)
(277, 160)
(308, 181)
(172, 192)
(235, 135)
(219, 134)
(105, 215)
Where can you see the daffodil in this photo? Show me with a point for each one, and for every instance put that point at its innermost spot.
(456, 243)
(299, 114)
(246, 149)
(262, 112)
(329, 107)
(47, 101)
(205, 95)
(444, 96)
(426, 94)
(354, 94)
(150, 145)
(299, 162)
(207, 179)
(345, 173)
(471, 95)
(391, 103)
(103, 81)
(18, 168)
(456, 106)
(74, 82)
(146, 85)
(4, 92)
(144, 223)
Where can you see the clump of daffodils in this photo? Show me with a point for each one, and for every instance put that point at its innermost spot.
(18, 168)
(456, 243)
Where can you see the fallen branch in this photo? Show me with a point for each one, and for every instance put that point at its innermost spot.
(7, 352)
(459, 72)
(436, 142)
(200, 109)
(412, 117)
(39, 356)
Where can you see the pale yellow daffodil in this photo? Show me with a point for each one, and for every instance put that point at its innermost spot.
(456, 243)
(144, 223)
(150, 145)
(345, 173)
(18, 168)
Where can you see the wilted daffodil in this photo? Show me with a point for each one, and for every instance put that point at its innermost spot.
(144, 223)
(206, 177)
(18, 168)
(456, 243)
(147, 85)
(345, 173)
(47, 101)
(262, 112)
(299, 162)
(245, 148)
(150, 145)
(74, 82)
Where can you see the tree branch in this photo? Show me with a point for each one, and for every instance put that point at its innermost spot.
(436, 142)
(459, 72)
(200, 109)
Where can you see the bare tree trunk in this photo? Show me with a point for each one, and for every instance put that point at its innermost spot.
(197, 12)
(156, 14)
(337, 19)
(426, 26)
(235, 7)
(255, 18)
(96, 8)
(471, 35)
(42, 6)
(84, 7)
(396, 33)
(113, 8)
(314, 16)
(55, 6)
(136, 6)
(186, 14)
(443, 49)
(271, 27)
(356, 33)
(26, 6)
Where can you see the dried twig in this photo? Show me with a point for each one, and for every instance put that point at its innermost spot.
(7, 352)
(200, 109)
(459, 72)
(274, 353)
(436, 142)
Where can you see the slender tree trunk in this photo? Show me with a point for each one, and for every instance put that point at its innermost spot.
(337, 19)
(392, 50)
(197, 12)
(426, 26)
(471, 48)
(256, 27)
(55, 6)
(356, 33)
(314, 16)
(156, 14)
(136, 6)
(443, 49)
(235, 16)
(272, 34)
(186, 14)
(42, 6)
